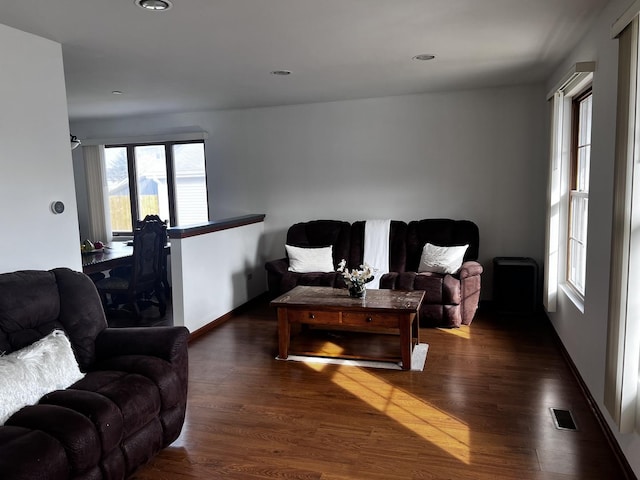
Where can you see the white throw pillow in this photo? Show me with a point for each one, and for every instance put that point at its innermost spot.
(441, 259)
(306, 260)
(30, 373)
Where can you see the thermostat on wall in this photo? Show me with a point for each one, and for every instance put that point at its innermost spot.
(57, 207)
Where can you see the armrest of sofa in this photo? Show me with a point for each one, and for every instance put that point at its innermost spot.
(280, 266)
(470, 268)
(276, 269)
(388, 281)
(398, 281)
(470, 282)
(168, 343)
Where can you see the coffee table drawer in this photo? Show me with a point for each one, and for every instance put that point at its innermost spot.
(313, 316)
(370, 319)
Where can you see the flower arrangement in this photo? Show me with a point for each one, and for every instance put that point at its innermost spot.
(356, 279)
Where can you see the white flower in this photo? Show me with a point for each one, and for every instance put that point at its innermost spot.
(356, 277)
(341, 265)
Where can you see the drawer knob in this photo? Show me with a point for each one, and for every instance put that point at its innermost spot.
(369, 319)
(312, 316)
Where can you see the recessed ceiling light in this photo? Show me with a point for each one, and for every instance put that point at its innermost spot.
(424, 56)
(116, 92)
(154, 5)
(282, 73)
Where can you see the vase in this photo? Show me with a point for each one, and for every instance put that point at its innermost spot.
(357, 290)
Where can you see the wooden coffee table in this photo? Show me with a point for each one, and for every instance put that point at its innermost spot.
(331, 306)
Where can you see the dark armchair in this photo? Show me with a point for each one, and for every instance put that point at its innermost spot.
(130, 404)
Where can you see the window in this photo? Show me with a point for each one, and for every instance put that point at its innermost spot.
(167, 179)
(579, 191)
(568, 197)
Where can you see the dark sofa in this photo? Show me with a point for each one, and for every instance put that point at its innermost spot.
(129, 405)
(451, 300)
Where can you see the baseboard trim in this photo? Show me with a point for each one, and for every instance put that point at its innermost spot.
(227, 316)
(593, 405)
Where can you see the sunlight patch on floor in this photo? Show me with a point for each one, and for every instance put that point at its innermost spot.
(328, 348)
(463, 331)
(432, 424)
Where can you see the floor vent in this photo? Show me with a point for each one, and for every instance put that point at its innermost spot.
(563, 419)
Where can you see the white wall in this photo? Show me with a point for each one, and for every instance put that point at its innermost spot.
(585, 335)
(214, 273)
(35, 157)
(477, 155)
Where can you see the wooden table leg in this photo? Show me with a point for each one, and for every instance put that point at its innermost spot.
(406, 341)
(284, 333)
(416, 329)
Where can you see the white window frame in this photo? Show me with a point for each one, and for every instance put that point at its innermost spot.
(169, 195)
(576, 81)
(99, 215)
(578, 198)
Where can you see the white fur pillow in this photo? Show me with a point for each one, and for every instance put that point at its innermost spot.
(441, 259)
(40, 368)
(306, 260)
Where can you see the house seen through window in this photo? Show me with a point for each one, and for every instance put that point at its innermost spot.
(167, 179)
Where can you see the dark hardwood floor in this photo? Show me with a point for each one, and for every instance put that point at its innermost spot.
(479, 410)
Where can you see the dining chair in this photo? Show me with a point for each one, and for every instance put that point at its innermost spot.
(144, 278)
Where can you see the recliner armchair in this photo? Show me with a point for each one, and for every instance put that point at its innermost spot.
(130, 404)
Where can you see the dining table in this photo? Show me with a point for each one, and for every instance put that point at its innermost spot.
(114, 254)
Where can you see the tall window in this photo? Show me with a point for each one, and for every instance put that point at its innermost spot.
(579, 191)
(567, 200)
(167, 179)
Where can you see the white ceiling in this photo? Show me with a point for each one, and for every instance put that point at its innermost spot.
(217, 54)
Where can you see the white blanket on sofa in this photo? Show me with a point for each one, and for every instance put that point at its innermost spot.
(376, 248)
